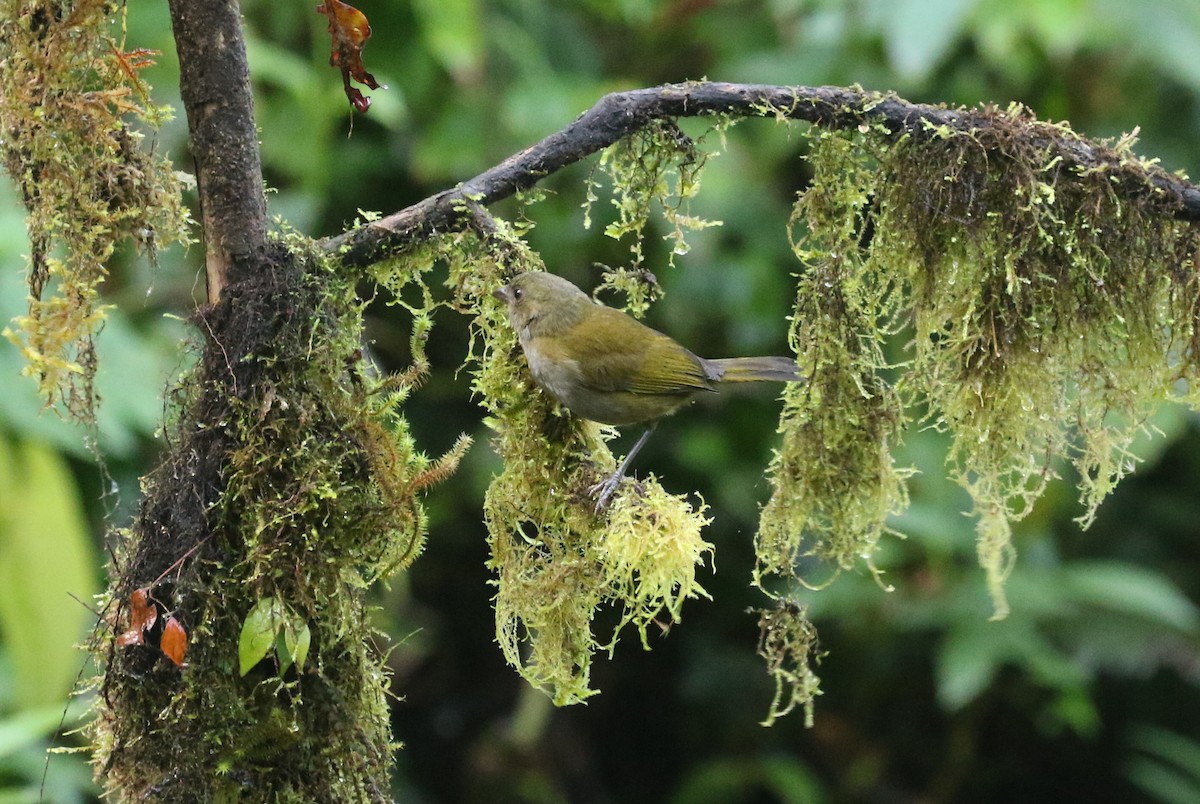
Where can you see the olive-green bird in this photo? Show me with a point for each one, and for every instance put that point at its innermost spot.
(606, 366)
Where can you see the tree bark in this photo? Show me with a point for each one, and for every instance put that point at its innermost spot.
(240, 513)
(214, 82)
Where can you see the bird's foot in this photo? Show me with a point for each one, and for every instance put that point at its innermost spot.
(605, 489)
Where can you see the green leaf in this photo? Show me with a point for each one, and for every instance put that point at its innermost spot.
(270, 624)
(46, 556)
(966, 664)
(1132, 590)
(26, 728)
(739, 779)
(1170, 771)
(1173, 748)
(791, 779)
(292, 644)
(298, 643)
(920, 32)
(258, 633)
(282, 654)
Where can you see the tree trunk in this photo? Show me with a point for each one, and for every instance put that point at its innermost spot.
(264, 503)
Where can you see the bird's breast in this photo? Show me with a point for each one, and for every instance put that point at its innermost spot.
(556, 373)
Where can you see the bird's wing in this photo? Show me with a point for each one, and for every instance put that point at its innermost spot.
(622, 354)
(668, 368)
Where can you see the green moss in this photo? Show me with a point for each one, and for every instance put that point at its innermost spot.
(70, 97)
(290, 476)
(787, 641)
(835, 479)
(1048, 312)
(1040, 316)
(659, 168)
(557, 562)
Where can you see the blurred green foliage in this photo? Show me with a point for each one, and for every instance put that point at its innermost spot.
(1090, 690)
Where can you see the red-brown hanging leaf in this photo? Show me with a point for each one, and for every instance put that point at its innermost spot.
(174, 641)
(142, 616)
(350, 31)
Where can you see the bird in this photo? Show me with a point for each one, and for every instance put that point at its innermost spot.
(604, 365)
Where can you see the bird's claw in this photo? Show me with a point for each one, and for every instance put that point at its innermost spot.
(605, 489)
(609, 486)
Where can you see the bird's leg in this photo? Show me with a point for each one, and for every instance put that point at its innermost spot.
(605, 489)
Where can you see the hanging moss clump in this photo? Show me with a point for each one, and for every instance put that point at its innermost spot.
(559, 564)
(70, 100)
(1047, 311)
(835, 479)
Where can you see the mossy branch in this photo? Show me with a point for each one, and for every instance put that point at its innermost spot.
(620, 114)
(1047, 282)
(290, 485)
(1045, 285)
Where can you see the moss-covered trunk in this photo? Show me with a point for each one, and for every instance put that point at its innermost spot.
(287, 487)
(268, 491)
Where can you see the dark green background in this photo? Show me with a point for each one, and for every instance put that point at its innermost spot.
(1089, 691)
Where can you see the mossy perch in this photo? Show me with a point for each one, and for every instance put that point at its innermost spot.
(1046, 287)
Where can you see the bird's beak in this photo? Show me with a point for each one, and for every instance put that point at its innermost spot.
(504, 294)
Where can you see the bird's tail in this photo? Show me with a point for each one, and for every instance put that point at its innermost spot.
(754, 369)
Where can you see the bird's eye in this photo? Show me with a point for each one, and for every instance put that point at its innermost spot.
(517, 294)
